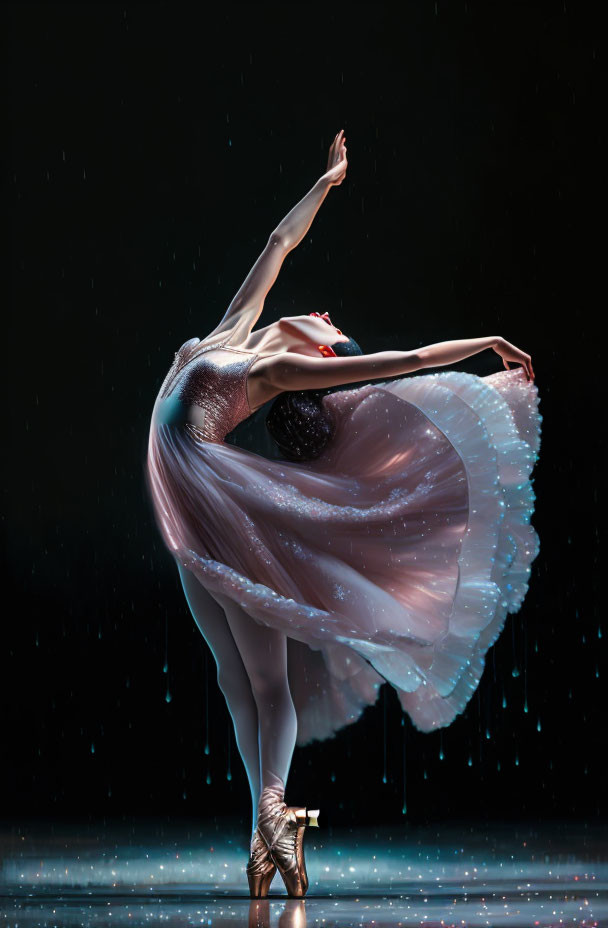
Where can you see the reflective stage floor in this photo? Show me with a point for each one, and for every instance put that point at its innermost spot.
(191, 873)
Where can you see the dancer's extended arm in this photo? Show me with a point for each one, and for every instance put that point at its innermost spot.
(247, 305)
(292, 371)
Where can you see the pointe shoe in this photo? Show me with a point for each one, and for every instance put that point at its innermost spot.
(261, 867)
(282, 828)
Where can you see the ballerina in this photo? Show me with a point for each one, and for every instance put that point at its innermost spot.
(388, 545)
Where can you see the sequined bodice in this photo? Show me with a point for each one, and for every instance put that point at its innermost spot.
(206, 389)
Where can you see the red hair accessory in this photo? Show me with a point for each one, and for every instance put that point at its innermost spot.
(327, 351)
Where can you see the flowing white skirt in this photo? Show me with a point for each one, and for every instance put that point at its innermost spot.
(395, 556)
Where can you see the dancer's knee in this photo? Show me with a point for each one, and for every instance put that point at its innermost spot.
(269, 690)
(234, 683)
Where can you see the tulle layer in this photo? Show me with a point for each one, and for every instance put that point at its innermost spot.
(394, 556)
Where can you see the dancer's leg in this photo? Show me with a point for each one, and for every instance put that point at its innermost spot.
(232, 677)
(264, 654)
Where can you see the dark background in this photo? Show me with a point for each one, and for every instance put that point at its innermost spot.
(152, 149)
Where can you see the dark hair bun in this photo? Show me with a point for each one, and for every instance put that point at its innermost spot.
(297, 420)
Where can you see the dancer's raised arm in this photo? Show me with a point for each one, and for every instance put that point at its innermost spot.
(293, 371)
(247, 305)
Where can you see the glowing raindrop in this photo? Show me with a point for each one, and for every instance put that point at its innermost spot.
(384, 688)
(206, 704)
(404, 806)
(538, 725)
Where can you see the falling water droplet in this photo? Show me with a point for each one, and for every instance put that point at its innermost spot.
(92, 749)
(538, 725)
(404, 806)
(168, 696)
(384, 689)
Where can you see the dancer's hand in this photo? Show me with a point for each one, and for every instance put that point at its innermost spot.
(509, 352)
(336, 161)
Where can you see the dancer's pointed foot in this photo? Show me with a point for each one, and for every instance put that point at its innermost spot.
(282, 828)
(261, 867)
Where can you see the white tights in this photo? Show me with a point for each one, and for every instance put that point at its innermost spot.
(252, 674)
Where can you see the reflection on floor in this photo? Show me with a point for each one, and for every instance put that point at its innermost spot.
(118, 875)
